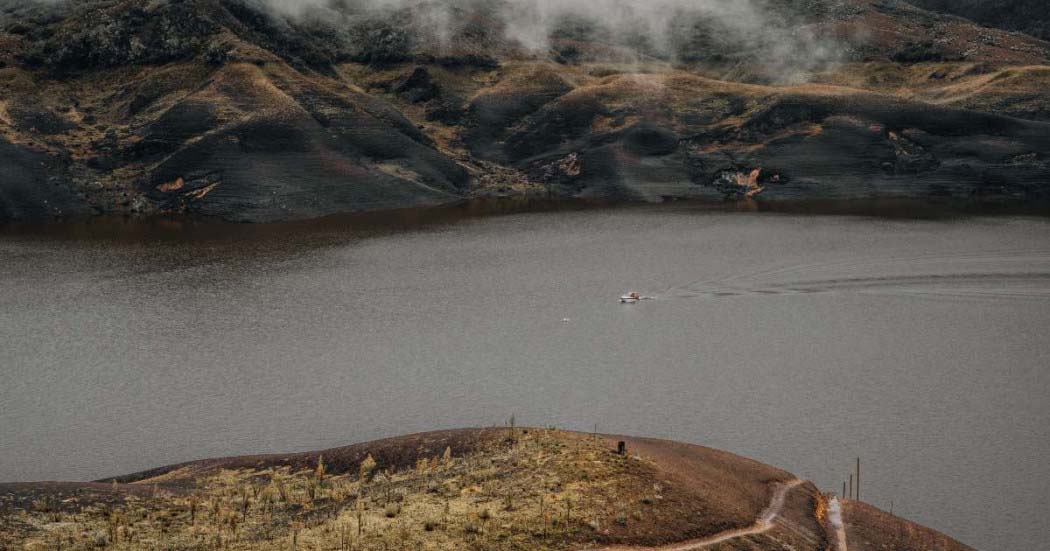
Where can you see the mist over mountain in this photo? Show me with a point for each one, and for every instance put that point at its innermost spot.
(770, 35)
(766, 30)
(268, 109)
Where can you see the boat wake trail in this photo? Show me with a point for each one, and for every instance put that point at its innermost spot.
(1001, 275)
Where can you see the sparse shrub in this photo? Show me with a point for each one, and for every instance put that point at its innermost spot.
(268, 495)
(319, 472)
(921, 52)
(392, 510)
(100, 538)
(217, 53)
(19, 28)
(279, 487)
(366, 468)
(384, 46)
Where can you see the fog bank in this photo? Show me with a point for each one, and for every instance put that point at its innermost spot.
(770, 33)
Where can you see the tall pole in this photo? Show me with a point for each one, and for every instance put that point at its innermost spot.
(851, 485)
(858, 479)
(843, 489)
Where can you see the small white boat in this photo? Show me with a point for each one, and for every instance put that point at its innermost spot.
(630, 298)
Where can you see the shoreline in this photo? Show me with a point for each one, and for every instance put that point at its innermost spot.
(194, 225)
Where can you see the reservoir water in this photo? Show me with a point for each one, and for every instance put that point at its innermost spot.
(803, 341)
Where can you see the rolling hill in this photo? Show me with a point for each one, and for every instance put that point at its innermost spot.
(247, 111)
(537, 489)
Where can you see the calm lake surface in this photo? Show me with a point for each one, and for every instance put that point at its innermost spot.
(920, 345)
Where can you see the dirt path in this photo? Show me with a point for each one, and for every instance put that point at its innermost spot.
(764, 523)
(835, 516)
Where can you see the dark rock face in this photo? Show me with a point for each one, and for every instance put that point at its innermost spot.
(31, 186)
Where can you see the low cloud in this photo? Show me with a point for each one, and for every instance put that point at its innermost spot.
(761, 33)
(768, 33)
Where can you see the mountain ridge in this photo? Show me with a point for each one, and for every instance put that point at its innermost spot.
(225, 108)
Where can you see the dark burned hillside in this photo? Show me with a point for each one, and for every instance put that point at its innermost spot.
(107, 34)
(1030, 16)
(235, 109)
(111, 33)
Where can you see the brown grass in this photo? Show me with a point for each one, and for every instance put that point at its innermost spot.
(498, 489)
(533, 489)
(870, 529)
(522, 493)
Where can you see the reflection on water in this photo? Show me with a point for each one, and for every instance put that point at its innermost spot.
(916, 343)
(340, 227)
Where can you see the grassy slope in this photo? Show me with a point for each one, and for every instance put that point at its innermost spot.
(537, 489)
(491, 489)
(869, 529)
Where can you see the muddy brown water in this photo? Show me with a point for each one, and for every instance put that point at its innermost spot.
(918, 343)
